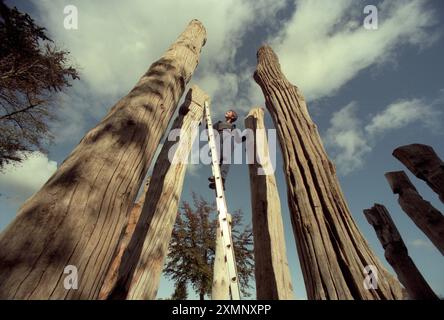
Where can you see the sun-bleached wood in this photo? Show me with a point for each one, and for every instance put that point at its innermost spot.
(429, 219)
(78, 215)
(397, 255)
(425, 164)
(144, 257)
(220, 289)
(272, 274)
(332, 251)
(112, 274)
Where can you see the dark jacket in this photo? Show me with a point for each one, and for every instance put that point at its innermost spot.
(220, 126)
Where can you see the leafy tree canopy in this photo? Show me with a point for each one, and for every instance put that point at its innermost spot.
(192, 249)
(32, 69)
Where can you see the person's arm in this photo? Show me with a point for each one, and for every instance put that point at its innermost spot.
(217, 125)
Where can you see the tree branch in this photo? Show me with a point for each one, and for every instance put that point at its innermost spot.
(10, 115)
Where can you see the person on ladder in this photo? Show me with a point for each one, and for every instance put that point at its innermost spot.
(225, 130)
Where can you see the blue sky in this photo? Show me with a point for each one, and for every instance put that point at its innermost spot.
(369, 91)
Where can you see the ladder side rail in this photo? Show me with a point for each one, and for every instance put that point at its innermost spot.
(222, 210)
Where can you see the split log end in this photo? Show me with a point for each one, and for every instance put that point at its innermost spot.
(418, 158)
(379, 217)
(197, 25)
(399, 181)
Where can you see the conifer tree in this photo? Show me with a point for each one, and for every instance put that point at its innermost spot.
(193, 243)
(180, 291)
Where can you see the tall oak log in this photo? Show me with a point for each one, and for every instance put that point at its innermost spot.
(78, 215)
(220, 289)
(272, 274)
(144, 257)
(429, 219)
(332, 251)
(424, 163)
(397, 255)
(125, 238)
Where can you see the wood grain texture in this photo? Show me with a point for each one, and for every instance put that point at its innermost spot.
(273, 279)
(429, 219)
(113, 271)
(220, 289)
(142, 262)
(332, 251)
(425, 164)
(78, 215)
(397, 255)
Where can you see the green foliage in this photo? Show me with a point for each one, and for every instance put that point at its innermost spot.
(31, 69)
(193, 243)
(180, 291)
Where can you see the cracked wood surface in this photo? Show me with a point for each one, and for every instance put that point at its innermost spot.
(332, 251)
(220, 288)
(425, 164)
(113, 270)
(272, 274)
(78, 215)
(142, 262)
(429, 219)
(397, 255)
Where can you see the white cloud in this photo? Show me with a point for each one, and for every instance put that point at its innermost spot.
(400, 114)
(421, 244)
(350, 141)
(222, 88)
(324, 45)
(117, 41)
(320, 48)
(347, 139)
(78, 106)
(18, 182)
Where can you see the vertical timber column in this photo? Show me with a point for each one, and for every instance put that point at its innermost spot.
(273, 279)
(78, 215)
(220, 289)
(397, 254)
(426, 217)
(143, 260)
(332, 251)
(425, 164)
(112, 273)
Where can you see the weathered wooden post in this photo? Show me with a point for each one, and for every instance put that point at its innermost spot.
(78, 215)
(220, 289)
(125, 238)
(425, 164)
(332, 251)
(429, 219)
(144, 257)
(273, 279)
(397, 255)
